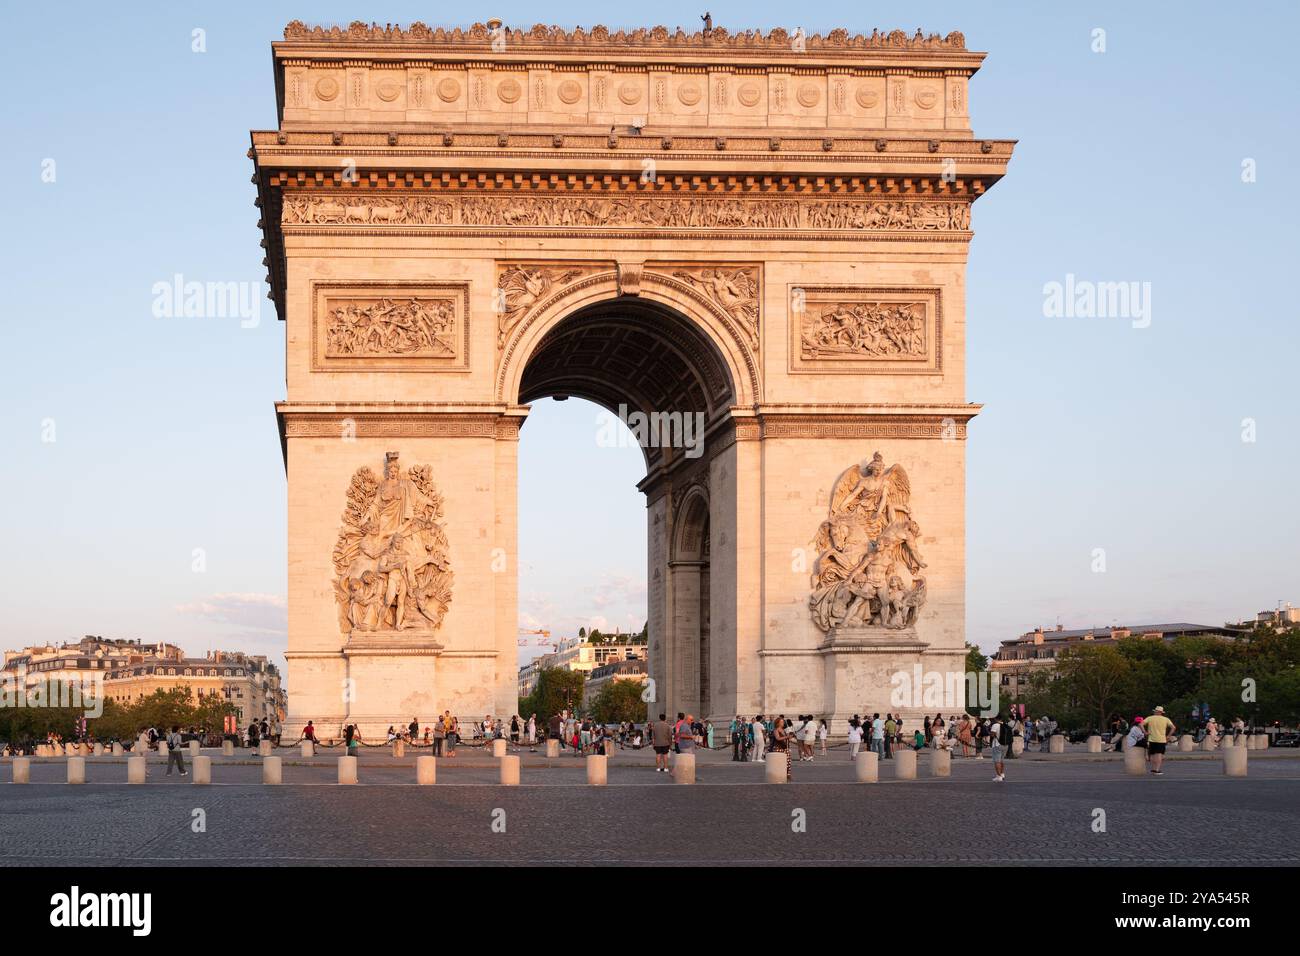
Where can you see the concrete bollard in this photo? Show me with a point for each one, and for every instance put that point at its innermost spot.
(552, 748)
(1234, 761)
(308, 749)
(194, 748)
(22, 769)
(1094, 744)
(264, 748)
(1017, 746)
(510, 770)
(684, 768)
(163, 749)
(1207, 744)
(76, 770)
(1186, 744)
(399, 747)
(866, 766)
(98, 750)
(597, 770)
(426, 770)
(1135, 761)
(940, 763)
(774, 765)
(347, 770)
(227, 748)
(905, 764)
(1056, 744)
(142, 743)
(499, 747)
(1261, 741)
(135, 769)
(201, 770)
(117, 749)
(272, 771)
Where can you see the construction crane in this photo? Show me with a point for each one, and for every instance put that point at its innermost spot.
(544, 642)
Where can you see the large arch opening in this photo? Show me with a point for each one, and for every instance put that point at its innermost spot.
(655, 370)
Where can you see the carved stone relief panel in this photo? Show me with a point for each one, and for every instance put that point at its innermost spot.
(869, 572)
(392, 571)
(736, 289)
(390, 326)
(522, 285)
(865, 329)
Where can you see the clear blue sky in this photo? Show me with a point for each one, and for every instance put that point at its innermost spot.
(1095, 434)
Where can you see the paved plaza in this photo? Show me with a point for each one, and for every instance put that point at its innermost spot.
(1044, 814)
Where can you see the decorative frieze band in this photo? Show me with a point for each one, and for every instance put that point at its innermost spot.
(842, 217)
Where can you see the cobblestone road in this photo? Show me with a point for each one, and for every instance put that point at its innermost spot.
(1043, 814)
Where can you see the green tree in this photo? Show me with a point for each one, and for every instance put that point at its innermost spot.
(557, 689)
(619, 700)
(1096, 678)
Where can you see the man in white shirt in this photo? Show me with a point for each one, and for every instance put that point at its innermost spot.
(878, 736)
(760, 738)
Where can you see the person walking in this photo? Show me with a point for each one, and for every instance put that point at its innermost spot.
(855, 738)
(174, 751)
(737, 738)
(661, 738)
(823, 729)
(891, 728)
(1158, 728)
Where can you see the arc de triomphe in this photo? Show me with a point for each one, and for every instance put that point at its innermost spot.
(765, 234)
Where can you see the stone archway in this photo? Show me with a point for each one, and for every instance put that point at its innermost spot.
(690, 644)
(460, 221)
(661, 372)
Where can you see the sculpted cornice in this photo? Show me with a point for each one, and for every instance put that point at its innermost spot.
(352, 420)
(712, 144)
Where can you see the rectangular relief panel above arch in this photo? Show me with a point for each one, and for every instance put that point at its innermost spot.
(390, 326)
(863, 329)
